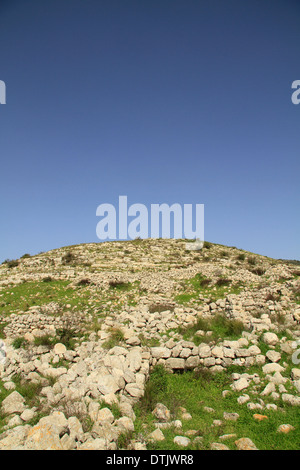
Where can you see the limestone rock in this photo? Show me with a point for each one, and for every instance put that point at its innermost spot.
(270, 338)
(161, 412)
(181, 441)
(13, 403)
(156, 435)
(245, 443)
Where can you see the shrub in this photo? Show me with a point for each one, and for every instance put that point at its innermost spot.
(224, 254)
(227, 327)
(156, 385)
(12, 263)
(74, 408)
(258, 271)
(116, 337)
(252, 260)
(223, 282)
(66, 337)
(205, 282)
(272, 297)
(220, 325)
(124, 439)
(207, 245)
(45, 340)
(161, 307)
(119, 285)
(241, 256)
(19, 342)
(83, 282)
(68, 258)
(203, 374)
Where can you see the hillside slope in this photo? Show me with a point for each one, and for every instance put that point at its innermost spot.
(83, 327)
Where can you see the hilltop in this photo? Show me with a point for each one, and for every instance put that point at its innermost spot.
(98, 339)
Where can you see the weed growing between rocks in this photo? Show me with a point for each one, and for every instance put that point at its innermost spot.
(217, 327)
(201, 286)
(141, 345)
(204, 409)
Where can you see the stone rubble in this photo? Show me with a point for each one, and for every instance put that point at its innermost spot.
(75, 381)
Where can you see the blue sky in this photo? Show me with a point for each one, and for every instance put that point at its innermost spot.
(163, 101)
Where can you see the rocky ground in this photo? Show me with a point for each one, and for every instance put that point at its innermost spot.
(82, 327)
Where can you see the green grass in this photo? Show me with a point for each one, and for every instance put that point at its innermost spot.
(120, 286)
(63, 335)
(193, 391)
(200, 285)
(28, 294)
(220, 326)
(30, 392)
(116, 337)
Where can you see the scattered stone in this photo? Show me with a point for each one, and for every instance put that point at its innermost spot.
(295, 374)
(240, 385)
(272, 367)
(231, 416)
(208, 409)
(105, 415)
(245, 443)
(125, 423)
(269, 388)
(291, 399)
(117, 376)
(13, 403)
(285, 428)
(156, 435)
(186, 416)
(259, 417)
(273, 356)
(59, 349)
(218, 446)
(181, 441)
(162, 413)
(243, 399)
(270, 338)
(217, 422)
(224, 437)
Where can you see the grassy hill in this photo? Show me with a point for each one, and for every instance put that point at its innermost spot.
(195, 322)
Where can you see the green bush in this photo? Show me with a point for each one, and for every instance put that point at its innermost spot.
(45, 340)
(68, 258)
(155, 386)
(116, 337)
(258, 271)
(11, 263)
(223, 282)
(207, 245)
(19, 342)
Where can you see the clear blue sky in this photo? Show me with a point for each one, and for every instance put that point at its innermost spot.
(185, 101)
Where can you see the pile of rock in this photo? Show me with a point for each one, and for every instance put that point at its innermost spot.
(41, 321)
(184, 355)
(57, 432)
